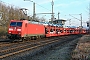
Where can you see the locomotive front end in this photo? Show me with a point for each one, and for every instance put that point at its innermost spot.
(14, 31)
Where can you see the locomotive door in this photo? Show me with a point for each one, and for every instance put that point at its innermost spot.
(26, 29)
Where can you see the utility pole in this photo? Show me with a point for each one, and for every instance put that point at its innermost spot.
(89, 16)
(77, 18)
(81, 20)
(81, 23)
(34, 11)
(58, 15)
(52, 12)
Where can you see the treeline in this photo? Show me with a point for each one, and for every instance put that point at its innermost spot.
(9, 12)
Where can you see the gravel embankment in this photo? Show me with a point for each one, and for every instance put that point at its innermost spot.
(62, 52)
(82, 50)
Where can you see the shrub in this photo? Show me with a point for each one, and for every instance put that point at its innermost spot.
(3, 31)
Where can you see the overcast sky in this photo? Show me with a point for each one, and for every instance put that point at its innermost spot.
(65, 7)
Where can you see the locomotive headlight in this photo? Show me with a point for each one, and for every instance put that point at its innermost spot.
(10, 28)
(9, 32)
(18, 29)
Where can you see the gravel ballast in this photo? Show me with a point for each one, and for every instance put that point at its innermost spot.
(56, 51)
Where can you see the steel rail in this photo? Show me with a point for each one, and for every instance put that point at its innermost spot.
(13, 53)
(15, 50)
(2, 51)
(9, 44)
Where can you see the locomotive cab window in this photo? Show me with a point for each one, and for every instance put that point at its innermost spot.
(19, 24)
(16, 24)
(13, 24)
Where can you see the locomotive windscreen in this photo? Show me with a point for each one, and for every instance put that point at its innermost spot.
(16, 24)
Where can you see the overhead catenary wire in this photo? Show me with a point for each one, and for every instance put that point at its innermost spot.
(42, 6)
(38, 4)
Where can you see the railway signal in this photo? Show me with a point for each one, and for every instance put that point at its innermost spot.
(87, 24)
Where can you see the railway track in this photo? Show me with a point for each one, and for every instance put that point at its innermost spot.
(15, 48)
(8, 44)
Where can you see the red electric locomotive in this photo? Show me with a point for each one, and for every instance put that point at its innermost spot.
(23, 29)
